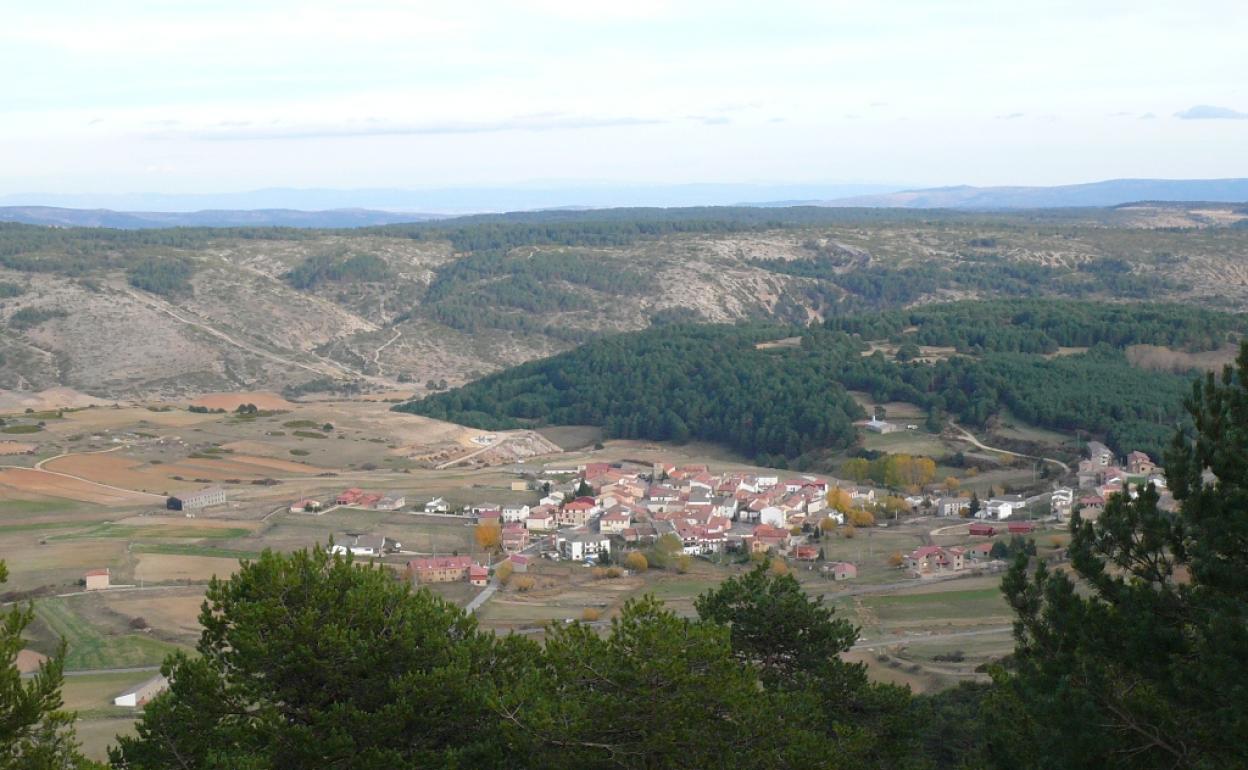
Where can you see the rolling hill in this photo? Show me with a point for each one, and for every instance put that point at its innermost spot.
(169, 312)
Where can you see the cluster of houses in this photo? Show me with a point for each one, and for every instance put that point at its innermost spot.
(373, 501)
(1101, 475)
(622, 505)
(935, 559)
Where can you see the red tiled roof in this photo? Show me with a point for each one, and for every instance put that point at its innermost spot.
(440, 562)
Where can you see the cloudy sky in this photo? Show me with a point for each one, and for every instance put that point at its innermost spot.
(219, 95)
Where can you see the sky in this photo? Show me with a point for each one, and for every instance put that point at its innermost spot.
(122, 96)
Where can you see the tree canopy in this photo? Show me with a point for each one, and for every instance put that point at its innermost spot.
(1144, 662)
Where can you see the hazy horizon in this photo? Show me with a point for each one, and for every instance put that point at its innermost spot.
(143, 97)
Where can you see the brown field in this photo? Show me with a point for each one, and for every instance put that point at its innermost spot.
(15, 448)
(1161, 359)
(158, 567)
(58, 563)
(128, 417)
(231, 401)
(27, 480)
(272, 463)
(231, 468)
(118, 470)
(177, 612)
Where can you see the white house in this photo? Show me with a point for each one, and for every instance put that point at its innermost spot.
(1002, 507)
(437, 505)
(774, 516)
(515, 513)
(579, 546)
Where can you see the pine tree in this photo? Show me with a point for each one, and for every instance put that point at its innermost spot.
(1146, 665)
(35, 733)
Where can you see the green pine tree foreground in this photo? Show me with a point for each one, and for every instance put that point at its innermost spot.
(1143, 661)
(35, 733)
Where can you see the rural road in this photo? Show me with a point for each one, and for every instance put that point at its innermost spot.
(968, 436)
(470, 455)
(38, 468)
(328, 367)
(384, 345)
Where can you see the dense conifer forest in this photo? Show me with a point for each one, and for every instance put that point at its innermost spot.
(783, 404)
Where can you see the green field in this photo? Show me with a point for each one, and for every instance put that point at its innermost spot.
(90, 647)
(908, 609)
(174, 549)
(158, 532)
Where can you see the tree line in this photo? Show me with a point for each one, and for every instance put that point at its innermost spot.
(784, 406)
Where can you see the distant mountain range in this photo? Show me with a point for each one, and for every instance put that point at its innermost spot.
(318, 208)
(138, 220)
(1113, 192)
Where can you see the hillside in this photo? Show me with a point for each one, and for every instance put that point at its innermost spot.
(170, 312)
(1056, 364)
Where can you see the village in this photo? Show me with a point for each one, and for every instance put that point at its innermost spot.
(599, 512)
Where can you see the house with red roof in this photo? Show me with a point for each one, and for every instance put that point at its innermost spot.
(933, 558)
(440, 569)
(842, 570)
(478, 576)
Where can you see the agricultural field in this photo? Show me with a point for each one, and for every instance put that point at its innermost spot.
(92, 495)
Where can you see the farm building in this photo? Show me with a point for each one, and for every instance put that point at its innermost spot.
(440, 569)
(307, 505)
(141, 694)
(478, 575)
(1021, 527)
(842, 570)
(200, 499)
(982, 530)
(390, 502)
(876, 425)
(806, 552)
(97, 579)
(519, 562)
(365, 545)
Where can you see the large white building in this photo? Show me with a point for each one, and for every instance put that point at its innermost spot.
(579, 546)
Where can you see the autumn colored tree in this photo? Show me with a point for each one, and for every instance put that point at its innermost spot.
(840, 499)
(488, 536)
(860, 518)
(952, 483)
(503, 572)
(636, 561)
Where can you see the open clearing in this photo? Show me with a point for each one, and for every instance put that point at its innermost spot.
(89, 648)
(16, 448)
(160, 568)
(27, 481)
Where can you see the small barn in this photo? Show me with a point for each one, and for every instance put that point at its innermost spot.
(96, 579)
(141, 694)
